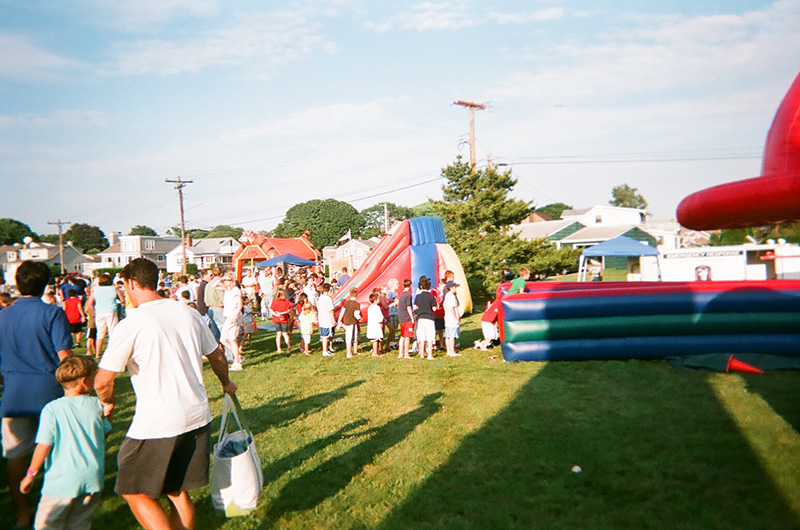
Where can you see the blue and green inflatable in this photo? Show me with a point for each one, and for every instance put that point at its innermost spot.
(616, 320)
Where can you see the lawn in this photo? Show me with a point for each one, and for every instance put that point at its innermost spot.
(477, 443)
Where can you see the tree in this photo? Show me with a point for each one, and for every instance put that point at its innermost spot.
(627, 197)
(554, 210)
(141, 230)
(87, 237)
(477, 213)
(194, 233)
(13, 231)
(328, 220)
(423, 210)
(223, 231)
(373, 218)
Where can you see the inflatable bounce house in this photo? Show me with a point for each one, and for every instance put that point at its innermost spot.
(618, 320)
(412, 248)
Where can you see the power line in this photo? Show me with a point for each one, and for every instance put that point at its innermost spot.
(179, 185)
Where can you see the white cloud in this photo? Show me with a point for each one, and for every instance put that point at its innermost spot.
(144, 15)
(327, 118)
(553, 13)
(61, 118)
(662, 54)
(429, 16)
(22, 59)
(256, 41)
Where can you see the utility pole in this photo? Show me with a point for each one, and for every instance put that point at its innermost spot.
(385, 219)
(179, 185)
(60, 223)
(471, 105)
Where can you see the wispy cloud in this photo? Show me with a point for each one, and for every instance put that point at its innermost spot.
(448, 16)
(326, 118)
(140, 16)
(61, 118)
(255, 41)
(663, 53)
(23, 59)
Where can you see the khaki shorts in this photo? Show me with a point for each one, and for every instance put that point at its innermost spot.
(19, 436)
(55, 512)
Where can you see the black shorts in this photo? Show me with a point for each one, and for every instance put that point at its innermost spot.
(282, 327)
(438, 323)
(77, 327)
(164, 465)
(92, 333)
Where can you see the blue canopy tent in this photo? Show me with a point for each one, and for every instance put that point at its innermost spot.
(619, 246)
(291, 259)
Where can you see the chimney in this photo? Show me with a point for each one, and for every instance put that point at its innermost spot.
(188, 240)
(113, 238)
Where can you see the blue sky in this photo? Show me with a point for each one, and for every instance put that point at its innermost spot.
(268, 104)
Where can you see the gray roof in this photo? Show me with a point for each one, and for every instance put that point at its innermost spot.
(540, 230)
(210, 245)
(597, 233)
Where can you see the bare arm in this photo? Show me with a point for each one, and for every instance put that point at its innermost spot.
(104, 386)
(39, 456)
(220, 367)
(63, 354)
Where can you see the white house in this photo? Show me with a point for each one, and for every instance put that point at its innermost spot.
(11, 256)
(124, 249)
(203, 252)
(606, 215)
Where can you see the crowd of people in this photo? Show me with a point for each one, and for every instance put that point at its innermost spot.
(159, 328)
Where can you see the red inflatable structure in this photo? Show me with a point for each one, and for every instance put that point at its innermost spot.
(772, 198)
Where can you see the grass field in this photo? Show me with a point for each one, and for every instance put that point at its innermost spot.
(476, 443)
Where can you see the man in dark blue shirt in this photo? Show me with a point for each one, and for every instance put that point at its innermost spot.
(34, 338)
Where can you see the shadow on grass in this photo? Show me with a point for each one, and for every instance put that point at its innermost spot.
(779, 389)
(324, 481)
(655, 447)
(282, 411)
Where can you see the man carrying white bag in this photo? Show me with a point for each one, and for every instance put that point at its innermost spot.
(236, 476)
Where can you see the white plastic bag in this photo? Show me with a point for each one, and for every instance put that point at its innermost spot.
(236, 477)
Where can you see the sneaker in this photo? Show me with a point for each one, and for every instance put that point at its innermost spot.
(235, 367)
(327, 354)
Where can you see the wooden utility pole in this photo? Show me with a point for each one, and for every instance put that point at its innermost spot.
(179, 185)
(60, 223)
(471, 105)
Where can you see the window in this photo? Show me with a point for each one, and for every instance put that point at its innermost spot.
(598, 219)
(159, 257)
(149, 244)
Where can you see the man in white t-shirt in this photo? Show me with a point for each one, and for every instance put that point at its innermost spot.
(166, 450)
(452, 319)
(325, 318)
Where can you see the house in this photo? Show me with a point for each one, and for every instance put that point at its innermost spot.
(124, 249)
(204, 253)
(606, 215)
(351, 254)
(553, 231)
(592, 235)
(11, 256)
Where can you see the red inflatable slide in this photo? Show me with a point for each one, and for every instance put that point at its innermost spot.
(772, 198)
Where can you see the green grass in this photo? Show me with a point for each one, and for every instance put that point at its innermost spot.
(476, 443)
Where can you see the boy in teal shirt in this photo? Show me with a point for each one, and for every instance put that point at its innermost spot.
(70, 445)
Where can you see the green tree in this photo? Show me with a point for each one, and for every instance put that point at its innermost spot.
(13, 231)
(327, 219)
(477, 213)
(142, 230)
(554, 210)
(373, 218)
(223, 231)
(195, 233)
(625, 196)
(423, 210)
(87, 237)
